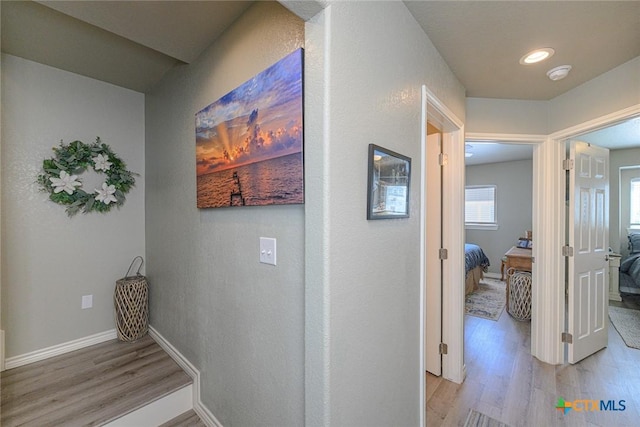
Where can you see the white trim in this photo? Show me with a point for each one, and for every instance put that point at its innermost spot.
(525, 139)
(56, 350)
(474, 226)
(203, 412)
(2, 365)
(453, 233)
(598, 123)
(159, 411)
(452, 129)
(442, 114)
(423, 234)
(548, 221)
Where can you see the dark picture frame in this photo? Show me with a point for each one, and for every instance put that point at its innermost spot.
(389, 178)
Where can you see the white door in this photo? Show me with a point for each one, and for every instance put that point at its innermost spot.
(589, 239)
(433, 264)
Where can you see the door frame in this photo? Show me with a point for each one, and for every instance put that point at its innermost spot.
(557, 141)
(538, 315)
(452, 128)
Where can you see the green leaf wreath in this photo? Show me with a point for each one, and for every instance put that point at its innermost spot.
(59, 177)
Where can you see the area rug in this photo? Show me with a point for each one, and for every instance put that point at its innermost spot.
(627, 323)
(478, 419)
(488, 300)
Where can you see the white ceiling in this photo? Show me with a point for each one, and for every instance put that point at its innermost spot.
(134, 43)
(483, 41)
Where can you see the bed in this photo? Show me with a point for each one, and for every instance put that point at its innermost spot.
(476, 263)
(630, 274)
(630, 267)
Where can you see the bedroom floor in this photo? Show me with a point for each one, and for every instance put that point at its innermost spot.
(506, 383)
(628, 301)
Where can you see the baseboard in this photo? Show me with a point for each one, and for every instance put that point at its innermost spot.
(56, 350)
(492, 275)
(158, 412)
(2, 367)
(203, 412)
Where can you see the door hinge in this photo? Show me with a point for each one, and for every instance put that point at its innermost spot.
(443, 254)
(567, 164)
(533, 260)
(442, 159)
(443, 348)
(567, 338)
(567, 251)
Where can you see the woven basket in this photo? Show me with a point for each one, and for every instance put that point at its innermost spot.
(519, 295)
(131, 300)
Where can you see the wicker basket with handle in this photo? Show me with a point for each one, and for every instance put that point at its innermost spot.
(131, 300)
(519, 306)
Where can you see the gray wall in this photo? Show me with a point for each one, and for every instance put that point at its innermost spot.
(619, 207)
(241, 323)
(514, 182)
(366, 62)
(610, 92)
(506, 116)
(49, 260)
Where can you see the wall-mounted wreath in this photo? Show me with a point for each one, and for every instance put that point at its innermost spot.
(59, 177)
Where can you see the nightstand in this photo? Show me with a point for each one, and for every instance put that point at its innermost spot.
(614, 277)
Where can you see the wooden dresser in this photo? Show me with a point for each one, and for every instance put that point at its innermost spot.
(518, 258)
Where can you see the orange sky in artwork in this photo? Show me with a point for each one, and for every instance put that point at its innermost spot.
(259, 120)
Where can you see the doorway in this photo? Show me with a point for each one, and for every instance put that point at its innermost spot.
(452, 238)
(557, 140)
(603, 163)
(499, 244)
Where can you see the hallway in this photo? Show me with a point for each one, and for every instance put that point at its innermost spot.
(506, 383)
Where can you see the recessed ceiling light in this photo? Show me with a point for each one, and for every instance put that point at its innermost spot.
(537, 55)
(559, 73)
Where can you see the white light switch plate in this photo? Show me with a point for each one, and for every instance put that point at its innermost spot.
(268, 250)
(87, 301)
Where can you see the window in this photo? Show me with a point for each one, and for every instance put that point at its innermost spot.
(480, 206)
(634, 213)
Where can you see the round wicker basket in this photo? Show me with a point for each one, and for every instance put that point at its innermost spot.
(520, 295)
(131, 300)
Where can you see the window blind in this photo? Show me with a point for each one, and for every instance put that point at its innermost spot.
(480, 204)
(634, 214)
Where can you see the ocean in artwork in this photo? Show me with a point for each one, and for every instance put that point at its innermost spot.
(275, 181)
(249, 143)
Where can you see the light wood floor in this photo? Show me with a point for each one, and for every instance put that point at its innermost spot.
(90, 386)
(188, 419)
(505, 382)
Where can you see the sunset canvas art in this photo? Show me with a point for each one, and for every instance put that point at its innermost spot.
(249, 143)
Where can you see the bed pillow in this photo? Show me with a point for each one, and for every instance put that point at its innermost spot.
(634, 243)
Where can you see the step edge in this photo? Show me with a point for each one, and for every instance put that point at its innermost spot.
(158, 411)
(199, 407)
